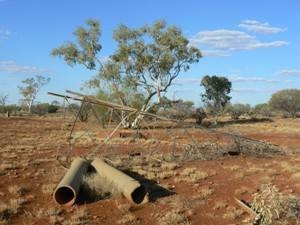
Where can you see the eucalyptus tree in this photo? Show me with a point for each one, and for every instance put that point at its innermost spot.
(3, 100)
(147, 60)
(31, 88)
(286, 100)
(216, 94)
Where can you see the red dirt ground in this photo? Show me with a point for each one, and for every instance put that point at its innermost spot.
(29, 147)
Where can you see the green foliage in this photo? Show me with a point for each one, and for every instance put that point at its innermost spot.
(40, 109)
(133, 99)
(263, 109)
(238, 110)
(3, 109)
(3, 99)
(52, 108)
(148, 59)
(200, 115)
(44, 108)
(136, 100)
(216, 94)
(85, 52)
(9, 108)
(102, 111)
(31, 88)
(178, 110)
(287, 100)
(73, 107)
(55, 102)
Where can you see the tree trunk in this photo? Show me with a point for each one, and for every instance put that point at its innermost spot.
(125, 121)
(139, 116)
(30, 106)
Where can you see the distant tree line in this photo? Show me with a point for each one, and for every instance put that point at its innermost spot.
(144, 65)
(216, 101)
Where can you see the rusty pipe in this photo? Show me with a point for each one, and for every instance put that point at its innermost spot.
(128, 186)
(67, 190)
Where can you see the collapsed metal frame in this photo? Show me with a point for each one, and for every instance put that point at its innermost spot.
(87, 100)
(91, 100)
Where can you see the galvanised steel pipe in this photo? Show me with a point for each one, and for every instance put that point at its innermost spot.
(67, 190)
(129, 187)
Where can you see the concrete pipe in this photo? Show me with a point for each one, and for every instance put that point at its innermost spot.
(129, 187)
(67, 190)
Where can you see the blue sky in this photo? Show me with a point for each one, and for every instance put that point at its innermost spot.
(256, 44)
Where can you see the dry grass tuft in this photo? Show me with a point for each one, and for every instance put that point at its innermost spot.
(125, 210)
(15, 204)
(79, 217)
(288, 167)
(8, 166)
(123, 207)
(54, 214)
(153, 168)
(239, 175)
(174, 217)
(232, 167)
(204, 192)
(295, 176)
(233, 213)
(5, 212)
(127, 218)
(8, 210)
(221, 204)
(274, 208)
(48, 188)
(191, 175)
(17, 190)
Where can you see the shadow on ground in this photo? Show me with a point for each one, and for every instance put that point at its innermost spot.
(90, 193)
(155, 191)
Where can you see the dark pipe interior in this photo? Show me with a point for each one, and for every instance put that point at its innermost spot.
(64, 195)
(139, 194)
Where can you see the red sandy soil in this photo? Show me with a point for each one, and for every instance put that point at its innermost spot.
(29, 147)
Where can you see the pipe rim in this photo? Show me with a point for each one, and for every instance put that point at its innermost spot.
(65, 195)
(139, 195)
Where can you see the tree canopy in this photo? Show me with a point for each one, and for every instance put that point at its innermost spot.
(216, 94)
(147, 59)
(287, 100)
(31, 88)
(86, 50)
(237, 110)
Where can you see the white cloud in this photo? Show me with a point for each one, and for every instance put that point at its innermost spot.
(214, 53)
(253, 90)
(263, 28)
(13, 67)
(223, 42)
(4, 33)
(289, 72)
(187, 81)
(253, 79)
(235, 79)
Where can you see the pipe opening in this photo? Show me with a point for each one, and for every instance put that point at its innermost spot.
(138, 195)
(65, 195)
